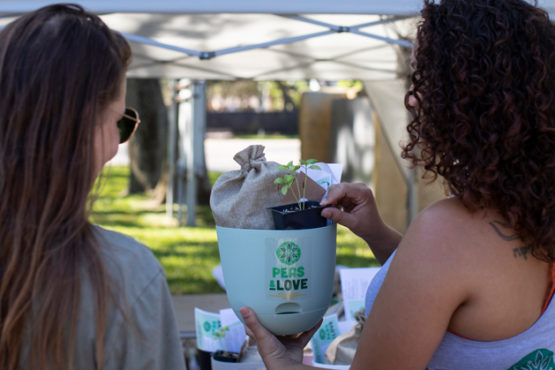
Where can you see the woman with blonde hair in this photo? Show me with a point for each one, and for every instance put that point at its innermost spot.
(72, 295)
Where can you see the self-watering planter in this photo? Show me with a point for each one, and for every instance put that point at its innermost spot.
(290, 216)
(285, 276)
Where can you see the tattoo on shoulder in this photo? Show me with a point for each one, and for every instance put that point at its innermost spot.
(522, 252)
(508, 235)
(504, 231)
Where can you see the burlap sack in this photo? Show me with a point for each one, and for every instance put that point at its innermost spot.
(342, 350)
(240, 198)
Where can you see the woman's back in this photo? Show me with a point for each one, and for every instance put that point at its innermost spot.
(68, 290)
(507, 285)
(142, 334)
(500, 286)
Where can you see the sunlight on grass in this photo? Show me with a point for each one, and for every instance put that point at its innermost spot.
(352, 251)
(188, 254)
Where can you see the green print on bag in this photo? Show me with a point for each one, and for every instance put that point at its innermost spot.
(540, 359)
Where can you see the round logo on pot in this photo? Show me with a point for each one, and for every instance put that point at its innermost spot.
(288, 253)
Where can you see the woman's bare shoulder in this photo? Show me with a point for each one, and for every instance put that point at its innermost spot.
(448, 212)
(466, 248)
(447, 224)
(462, 231)
(483, 262)
(452, 241)
(424, 286)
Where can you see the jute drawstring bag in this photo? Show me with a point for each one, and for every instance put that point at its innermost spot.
(241, 198)
(342, 350)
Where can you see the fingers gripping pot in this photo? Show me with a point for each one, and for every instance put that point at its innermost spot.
(285, 276)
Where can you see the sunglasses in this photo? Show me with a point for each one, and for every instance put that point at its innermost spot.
(128, 124)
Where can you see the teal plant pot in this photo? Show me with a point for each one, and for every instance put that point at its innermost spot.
(285, 276)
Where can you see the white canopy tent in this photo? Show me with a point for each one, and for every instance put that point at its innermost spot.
(262, 40)
(254, 39)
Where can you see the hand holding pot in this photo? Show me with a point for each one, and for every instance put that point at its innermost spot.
(355, 208)
(282, 352)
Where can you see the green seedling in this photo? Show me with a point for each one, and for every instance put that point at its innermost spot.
(220, 333)
(286, 181)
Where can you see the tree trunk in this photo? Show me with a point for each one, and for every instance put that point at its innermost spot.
(148, 147)
(288, 103)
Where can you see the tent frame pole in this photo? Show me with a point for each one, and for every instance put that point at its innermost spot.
(172, 135)
(332, 28)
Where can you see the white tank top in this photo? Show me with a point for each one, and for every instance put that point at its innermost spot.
(530, 350)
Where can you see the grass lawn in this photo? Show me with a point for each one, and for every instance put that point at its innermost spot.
(188, 254)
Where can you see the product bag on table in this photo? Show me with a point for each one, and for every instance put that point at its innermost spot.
(342, 350)
(240, 198)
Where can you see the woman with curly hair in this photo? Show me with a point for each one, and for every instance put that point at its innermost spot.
(72, 295)
(470, 284)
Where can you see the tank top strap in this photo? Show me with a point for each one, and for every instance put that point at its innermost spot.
(551, 290)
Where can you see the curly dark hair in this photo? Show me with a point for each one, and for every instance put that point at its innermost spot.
(484, 80)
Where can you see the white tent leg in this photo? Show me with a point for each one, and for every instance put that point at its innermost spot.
(195, 147)
(172, 137)
(185, 132)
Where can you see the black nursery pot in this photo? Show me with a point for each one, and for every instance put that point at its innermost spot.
(289, 216)
(203, 359)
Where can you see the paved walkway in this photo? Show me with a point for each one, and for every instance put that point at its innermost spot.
(220, 151)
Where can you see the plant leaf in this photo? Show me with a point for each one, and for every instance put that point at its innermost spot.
(311, 161)
(279, 180)
(284, 190)
(288, 178)
(314, 167)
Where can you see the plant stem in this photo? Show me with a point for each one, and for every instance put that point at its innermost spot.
(300, 197)
(304, 182)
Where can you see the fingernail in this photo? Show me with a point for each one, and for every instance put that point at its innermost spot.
(244, 312)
